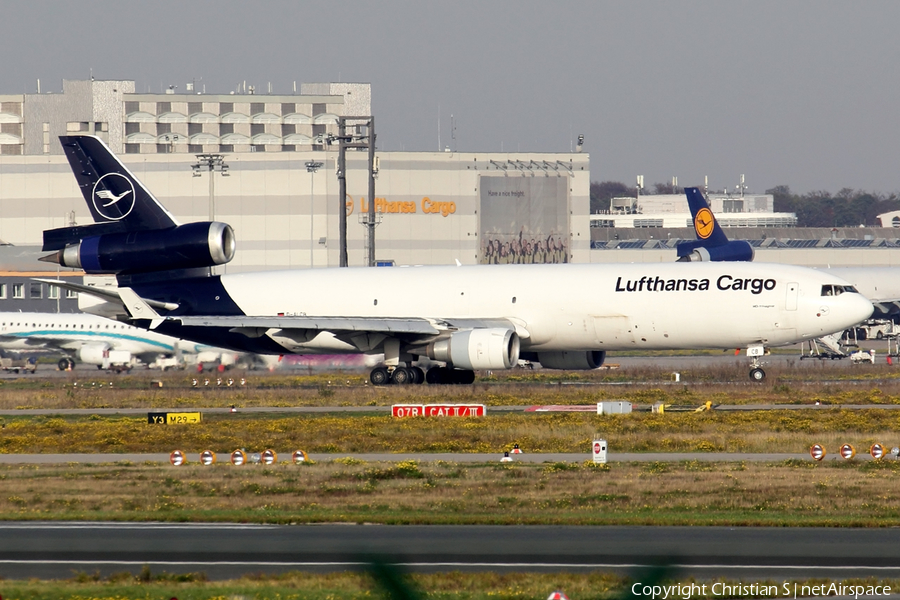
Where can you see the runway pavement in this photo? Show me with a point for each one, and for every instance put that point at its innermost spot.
(46, 550)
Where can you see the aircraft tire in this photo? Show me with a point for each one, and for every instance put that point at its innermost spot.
(419, 375)
(463, 377)
(402, 376)
(63, 364)
(757, 374)
(434, 375)
(379, 376)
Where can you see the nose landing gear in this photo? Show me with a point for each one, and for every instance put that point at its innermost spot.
(756, 371)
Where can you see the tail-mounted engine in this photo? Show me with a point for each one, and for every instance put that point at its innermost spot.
(697, 251)
(183, 247)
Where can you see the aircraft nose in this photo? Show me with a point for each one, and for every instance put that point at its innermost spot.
(858, 309)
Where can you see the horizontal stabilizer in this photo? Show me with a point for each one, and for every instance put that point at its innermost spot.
(107, 293)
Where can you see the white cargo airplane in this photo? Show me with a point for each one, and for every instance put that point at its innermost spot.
(468, 317)
(87, 338)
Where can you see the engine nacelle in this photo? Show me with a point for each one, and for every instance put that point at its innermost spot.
(92, 354)
(183, 247)
(733, 251)
(573, 361)
(495, 348)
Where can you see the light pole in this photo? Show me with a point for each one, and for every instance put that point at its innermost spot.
(311, 167)
(213, 162)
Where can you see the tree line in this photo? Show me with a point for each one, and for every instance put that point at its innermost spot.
(847, 208)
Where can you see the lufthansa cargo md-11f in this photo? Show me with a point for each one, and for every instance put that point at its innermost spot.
(565, 316)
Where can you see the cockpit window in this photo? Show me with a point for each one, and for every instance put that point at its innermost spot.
(836, 290)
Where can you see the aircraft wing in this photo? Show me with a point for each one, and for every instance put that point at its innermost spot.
(362, 332)
(256, 326)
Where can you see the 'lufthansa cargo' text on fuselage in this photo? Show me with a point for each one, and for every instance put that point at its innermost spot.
(724, 282)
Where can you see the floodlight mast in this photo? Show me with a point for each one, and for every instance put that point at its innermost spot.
(212, 162)
(359, 142)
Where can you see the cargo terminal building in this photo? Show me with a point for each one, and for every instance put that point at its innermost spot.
(281, 190)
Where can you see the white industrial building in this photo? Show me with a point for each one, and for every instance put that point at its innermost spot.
(671, 211)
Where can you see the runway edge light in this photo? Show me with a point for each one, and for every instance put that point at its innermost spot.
(177, 458)
(207, 458)
(848, 451)
(817, 451)
(877, 451)
(238, 458)
(299, 456)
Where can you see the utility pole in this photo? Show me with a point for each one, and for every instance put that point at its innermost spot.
(311, 167)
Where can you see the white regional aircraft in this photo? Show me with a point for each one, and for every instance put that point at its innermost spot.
(86, 338)
(467, 317)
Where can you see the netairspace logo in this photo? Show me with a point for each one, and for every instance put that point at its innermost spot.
(785, 590)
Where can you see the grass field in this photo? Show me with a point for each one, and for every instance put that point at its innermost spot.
(352, 586)
(724, 431)
(793, 493)
(726, 383)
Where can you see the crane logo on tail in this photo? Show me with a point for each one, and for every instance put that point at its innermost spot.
(704, 223)
(113, 196)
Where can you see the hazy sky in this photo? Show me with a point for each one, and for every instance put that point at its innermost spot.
(798, 93)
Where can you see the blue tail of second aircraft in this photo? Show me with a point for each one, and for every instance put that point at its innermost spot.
(132, 234)
(711, 244)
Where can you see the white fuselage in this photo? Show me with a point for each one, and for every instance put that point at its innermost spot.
(571, 307)
(71, 332)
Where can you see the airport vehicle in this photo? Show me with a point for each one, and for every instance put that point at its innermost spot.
(17, 365)
(565, 316)
(86, 338)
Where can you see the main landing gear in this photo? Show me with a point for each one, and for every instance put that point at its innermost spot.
(406, 375)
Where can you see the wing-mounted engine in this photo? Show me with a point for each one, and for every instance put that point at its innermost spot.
(92, 354)
(573, 361)
(493, 348)
(187, 246)
(698, 251)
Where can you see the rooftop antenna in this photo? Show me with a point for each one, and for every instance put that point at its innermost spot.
(453, 133)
